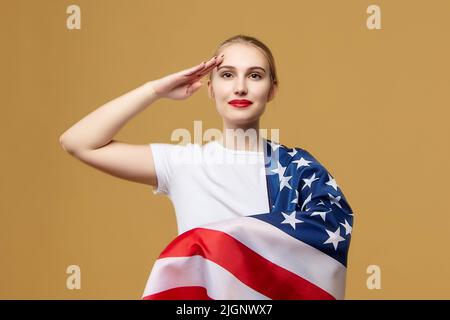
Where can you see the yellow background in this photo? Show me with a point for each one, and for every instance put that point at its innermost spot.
(371, 105)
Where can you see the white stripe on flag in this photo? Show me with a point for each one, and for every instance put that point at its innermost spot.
(192, 271)
(312, 265)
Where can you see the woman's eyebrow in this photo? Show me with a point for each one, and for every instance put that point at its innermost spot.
(251, 68)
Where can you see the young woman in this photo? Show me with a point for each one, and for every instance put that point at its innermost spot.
(243, 72)
(284, 188)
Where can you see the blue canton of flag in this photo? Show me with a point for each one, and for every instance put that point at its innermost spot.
(306, 202)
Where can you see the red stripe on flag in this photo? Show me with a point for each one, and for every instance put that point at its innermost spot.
(249, 267)
(180, 293)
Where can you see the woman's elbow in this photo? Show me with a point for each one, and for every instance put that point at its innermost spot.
(67, 147)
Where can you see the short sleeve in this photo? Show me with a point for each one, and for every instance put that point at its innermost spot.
(162, 160)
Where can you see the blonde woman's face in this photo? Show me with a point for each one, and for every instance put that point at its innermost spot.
(242, 75)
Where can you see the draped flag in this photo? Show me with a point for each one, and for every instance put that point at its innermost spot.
(296, 251)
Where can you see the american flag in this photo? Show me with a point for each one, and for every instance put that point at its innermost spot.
(296, 251)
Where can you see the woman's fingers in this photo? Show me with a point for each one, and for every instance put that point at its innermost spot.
(200, 67)
(201, 74)
(195, 69)
(191, 77)
(206, 65)
(205, 71)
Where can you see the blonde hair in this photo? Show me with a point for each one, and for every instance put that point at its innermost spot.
(256, 43)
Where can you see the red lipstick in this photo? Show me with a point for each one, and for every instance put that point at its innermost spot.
(240, 103)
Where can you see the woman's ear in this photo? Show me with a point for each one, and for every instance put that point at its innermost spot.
(272, 92)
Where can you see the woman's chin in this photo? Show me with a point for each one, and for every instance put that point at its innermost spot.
(241, 120)
(240, 117)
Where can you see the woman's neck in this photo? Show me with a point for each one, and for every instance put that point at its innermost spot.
(243, 137)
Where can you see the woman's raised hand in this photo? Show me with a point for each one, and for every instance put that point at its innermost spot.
(183, 84)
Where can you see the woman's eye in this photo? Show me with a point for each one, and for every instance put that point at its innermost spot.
(253, 74)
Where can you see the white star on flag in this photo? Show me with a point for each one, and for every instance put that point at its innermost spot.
(348, 228)
(334, 238)
(335, 200)
(306, 201)
(291, 219)
(295, 201)
(310, 180)
(293, 152)
(284, 182)
(322, 214)
(274, 145)
(331, 182)
(302, 162)
(279, 170)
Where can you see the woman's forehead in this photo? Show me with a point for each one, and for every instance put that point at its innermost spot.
(243, 55)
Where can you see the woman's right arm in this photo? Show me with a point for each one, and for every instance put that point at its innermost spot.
(91, 139)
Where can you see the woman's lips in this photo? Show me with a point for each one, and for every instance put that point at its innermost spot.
(240, 103)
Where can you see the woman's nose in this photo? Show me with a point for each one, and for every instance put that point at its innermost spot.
(240, 91)
(240, 88)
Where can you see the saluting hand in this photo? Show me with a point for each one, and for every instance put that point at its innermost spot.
(183, 84)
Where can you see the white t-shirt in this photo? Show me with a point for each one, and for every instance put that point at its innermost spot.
(209, 183)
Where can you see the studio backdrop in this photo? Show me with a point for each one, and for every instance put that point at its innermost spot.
(363, 86)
